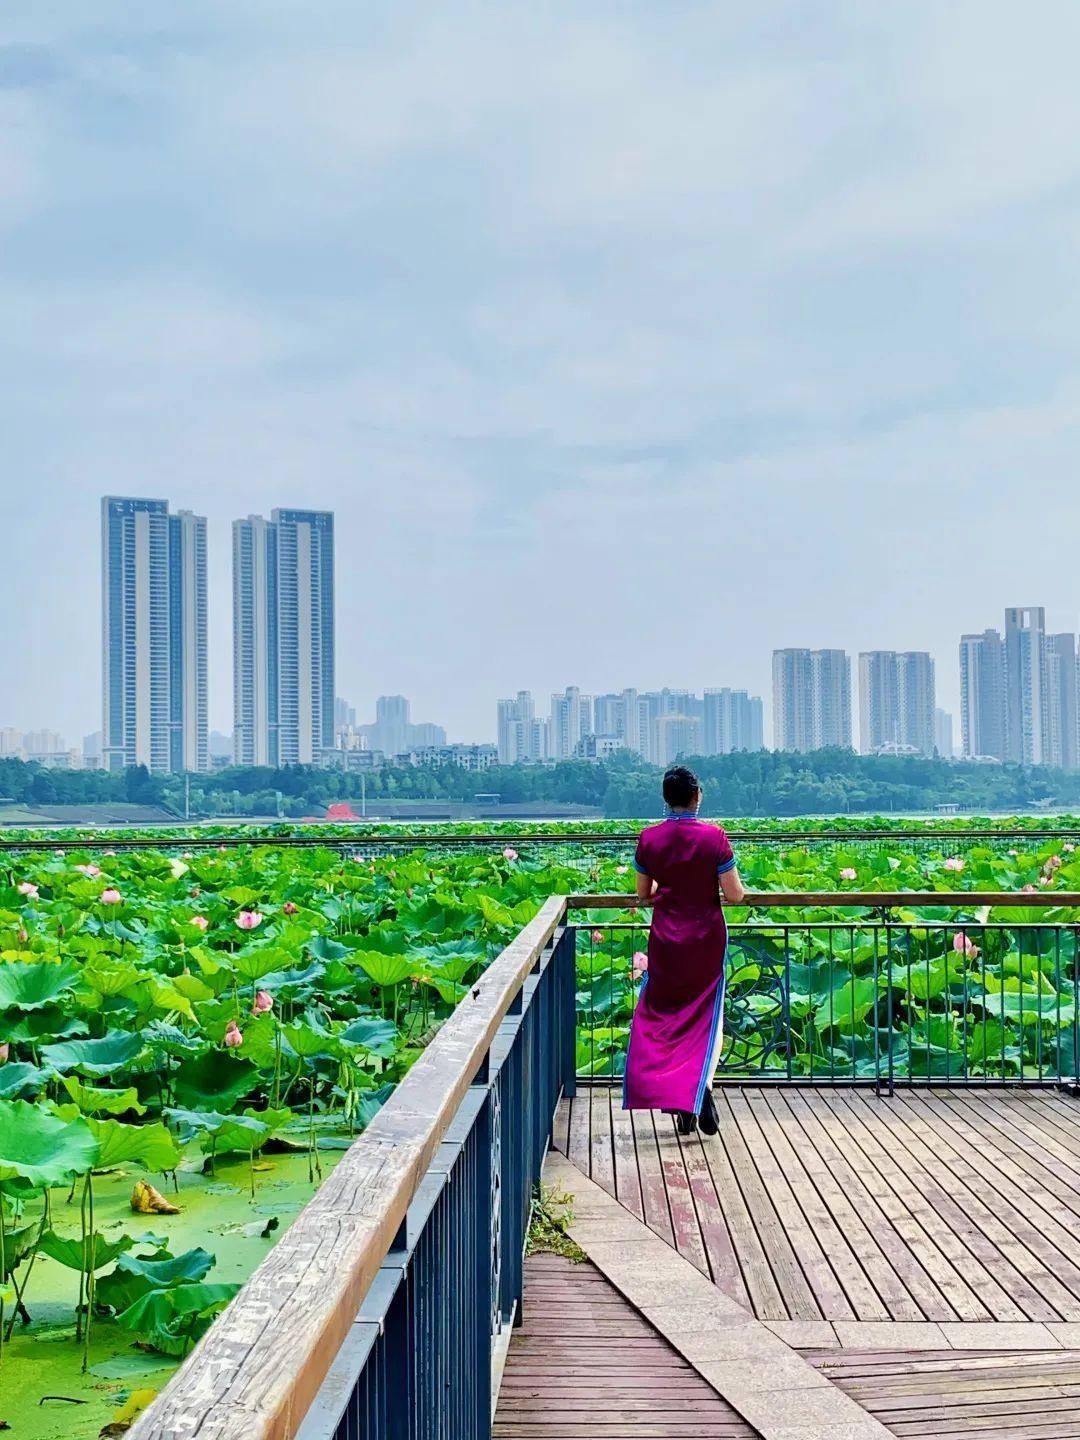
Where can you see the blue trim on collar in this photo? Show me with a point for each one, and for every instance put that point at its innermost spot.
(685, 815)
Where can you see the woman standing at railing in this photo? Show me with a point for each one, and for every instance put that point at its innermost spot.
(685, 870)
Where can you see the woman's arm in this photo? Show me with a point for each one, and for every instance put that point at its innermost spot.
(731, 887)
(646, 887)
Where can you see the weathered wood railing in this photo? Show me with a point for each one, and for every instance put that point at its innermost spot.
(376, 1316)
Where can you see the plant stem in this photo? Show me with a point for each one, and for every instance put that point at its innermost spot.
(20, 1290)
(90, 1285)
(3, 1278)
(82, 1268)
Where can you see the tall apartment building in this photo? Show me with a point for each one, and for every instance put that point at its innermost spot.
(1025, 684)
(793, 700)
(917, 700)
(391, 734)
(677, 736)
(571, 720)
(732, 720)
(154, 621)
(283, 637)
(1062, 678)
(629, 720)
(607, 715)
(879, 701)
(983, 723)
(943, 734)
(522, 736)
(811, 699)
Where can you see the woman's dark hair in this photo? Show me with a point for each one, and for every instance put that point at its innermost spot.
(680, 787)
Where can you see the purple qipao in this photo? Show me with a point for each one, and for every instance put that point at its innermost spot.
(677, 1030)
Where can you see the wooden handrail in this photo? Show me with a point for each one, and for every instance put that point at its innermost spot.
(256, 1372)
(863, 899)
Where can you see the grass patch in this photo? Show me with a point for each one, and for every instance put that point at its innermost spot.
(552, 1215)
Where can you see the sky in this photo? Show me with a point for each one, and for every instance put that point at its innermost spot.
(627, 341)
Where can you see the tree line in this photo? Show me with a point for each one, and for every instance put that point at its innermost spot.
(744, 784)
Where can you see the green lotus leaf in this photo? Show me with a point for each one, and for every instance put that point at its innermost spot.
(40, 1148)
(93, 1100)
(255, 961)
(94, 1057)
(18, 1243)
(307, 1041)
(171, 1320)
(135, 1277)
(111, 977)
(69, 1250)
(218, 1077)
(19, 1077)
(148, 1145)
(379, 1036)
(29, 987)
(385, 970)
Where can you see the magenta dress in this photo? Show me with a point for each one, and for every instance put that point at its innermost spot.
(677, 1030)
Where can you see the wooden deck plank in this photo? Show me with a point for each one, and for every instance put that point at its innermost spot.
(684, 1216)
(587, 1385)
(577, 1144)
(653, 1188)
(1013, 1396)
(970, 1256)
(720, 1252)
(906, 1287)
(807, 1187)
(601, 1148)
(998, 1233)
(627, 1178)
(925, 1236)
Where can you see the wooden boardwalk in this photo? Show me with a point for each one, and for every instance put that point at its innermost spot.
(836, 1207)
(1002, 1395)
(585, 1365)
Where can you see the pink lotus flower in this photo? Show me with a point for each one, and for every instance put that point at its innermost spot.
(22, 935)
(510, 853)
(1014, 853)
(1055, 862)
(597, 937)
(894, 864)
(111, 897)
(187, 855)
(1027, 889)
(200, 922)
(264, 1002)
(59, 852)
(964, 945)
(359, 859)
(5, 1051)
(1044, 879)
(621, 869)
(90, 871)
(641, 962)
(110, 853)
(222, 849)
(955, 864)
(290, 907)
(249, 920)
(849, 874)
(1069, 847)
(234, 1036)
(29, 889)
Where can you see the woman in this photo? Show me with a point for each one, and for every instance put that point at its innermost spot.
(686, 869)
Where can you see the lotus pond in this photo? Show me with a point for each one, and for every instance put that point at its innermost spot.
(188, 1042)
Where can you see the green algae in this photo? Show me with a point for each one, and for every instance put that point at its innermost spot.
(44, 1360)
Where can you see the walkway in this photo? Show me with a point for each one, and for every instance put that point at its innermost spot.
(834, 1265)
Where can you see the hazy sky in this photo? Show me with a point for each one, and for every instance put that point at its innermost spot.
(627, 340)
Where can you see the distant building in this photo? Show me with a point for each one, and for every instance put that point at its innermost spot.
(11, 741)
(916, 700)
(832, 699)
(733, 720)
(571, 719)
(943, 734)
(793, 700)
(597, 747)
(1062, 740)
(154, 671)
(677, 735)
(391, 724)
(1025, 685)
(91, 751)
(466, 757)
(607, 715)
(522, 737)
(425, 737)
(628, 721)
(283, 638)
(344, 715)
(879, 700)
(982, 696)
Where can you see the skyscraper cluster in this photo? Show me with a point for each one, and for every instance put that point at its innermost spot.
(812, 701)
(154, 637)
(1018, 692)
(658, 725)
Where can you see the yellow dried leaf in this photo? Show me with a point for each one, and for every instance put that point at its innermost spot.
(131, 1409)
(146, 1200)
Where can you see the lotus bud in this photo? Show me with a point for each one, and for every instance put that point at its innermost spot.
(290, 907)
(110, 897)
(264, 1003)
(5, 1051)
(200, 922)
(29, 889)
(233, 1035)
(248, 920)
